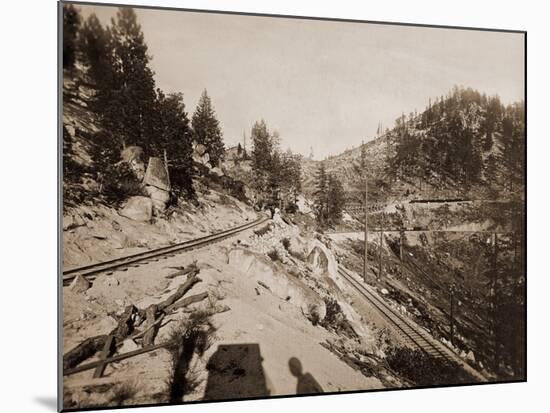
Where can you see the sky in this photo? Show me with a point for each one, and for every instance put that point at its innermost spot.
(324, 85)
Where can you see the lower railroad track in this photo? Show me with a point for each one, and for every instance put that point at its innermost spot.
(411, 333)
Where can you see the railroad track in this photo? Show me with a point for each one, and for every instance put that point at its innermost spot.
(411, 333)
(135, 260)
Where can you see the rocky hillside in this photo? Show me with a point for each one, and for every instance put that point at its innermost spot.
(465, 145)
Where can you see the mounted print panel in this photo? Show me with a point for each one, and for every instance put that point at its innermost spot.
(260, 206)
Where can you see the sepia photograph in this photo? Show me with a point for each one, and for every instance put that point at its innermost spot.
(259, 206)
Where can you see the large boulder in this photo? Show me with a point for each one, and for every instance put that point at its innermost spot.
(157, 174)
(318, 259)
(321, 259)
(200, 155)
(217, 171)
(304, 206)
(202, 159)
(160, 197)
(79, 284)
(199, 148)
(138, 208)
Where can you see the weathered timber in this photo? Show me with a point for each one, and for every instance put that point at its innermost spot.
(114, 359)
(183, 271)
(83, 351)
(151, 327)
(142, 333)
(92, 345)
(186, 301)
(125, 326)
(180, 292)
(105, 353)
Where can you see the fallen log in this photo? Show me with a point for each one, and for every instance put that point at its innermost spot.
(155, 309)
(142, 333)
(151, 326)
(113, 359)
(183, 270)
(127, 323)
(92, 345)
(185, 302)
(83, 351)
(105, 353)
(180, 292)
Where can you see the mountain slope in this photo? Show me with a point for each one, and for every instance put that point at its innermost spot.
(465, 145)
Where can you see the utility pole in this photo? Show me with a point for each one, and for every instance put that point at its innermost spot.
(494, 288)
(452, 289)
(401, 246)
(365, 261)
(166, 166)
(380, 256)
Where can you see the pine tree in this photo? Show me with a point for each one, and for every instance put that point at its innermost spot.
(290, 172)
(71, 25)
(321, 195)
(206, 129)
(174, 136)
(336, 199)
(97, 54)
(262, 151)
(130, 108)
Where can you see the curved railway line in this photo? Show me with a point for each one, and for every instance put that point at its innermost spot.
(411, 333)
(123, 263)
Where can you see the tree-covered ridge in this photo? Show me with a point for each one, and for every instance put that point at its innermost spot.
(461, 140)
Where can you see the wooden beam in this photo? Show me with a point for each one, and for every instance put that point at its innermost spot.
(105, 353)
(120, 357)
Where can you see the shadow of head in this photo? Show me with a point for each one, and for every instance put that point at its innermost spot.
(306, 383)
(295, 367)
(235, 371)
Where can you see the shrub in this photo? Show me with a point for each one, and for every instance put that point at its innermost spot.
(123, 393)
(274, 255)
(286, 243)
(262, 231)
(119, 183)
(423, 369)
(192, 335)
(181, 180)
(336, 320)
(291, 208)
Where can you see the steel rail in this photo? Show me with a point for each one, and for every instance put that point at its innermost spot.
(90, 271)
(415, 335)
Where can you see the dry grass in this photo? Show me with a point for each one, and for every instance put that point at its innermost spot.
(124, 392)
(192, 335)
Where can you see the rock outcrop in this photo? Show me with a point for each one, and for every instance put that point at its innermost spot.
(138, 208)
(79, 284)
(318, 259)
(157, 183)
(157, 175)
(321, 259)
(200, 155)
